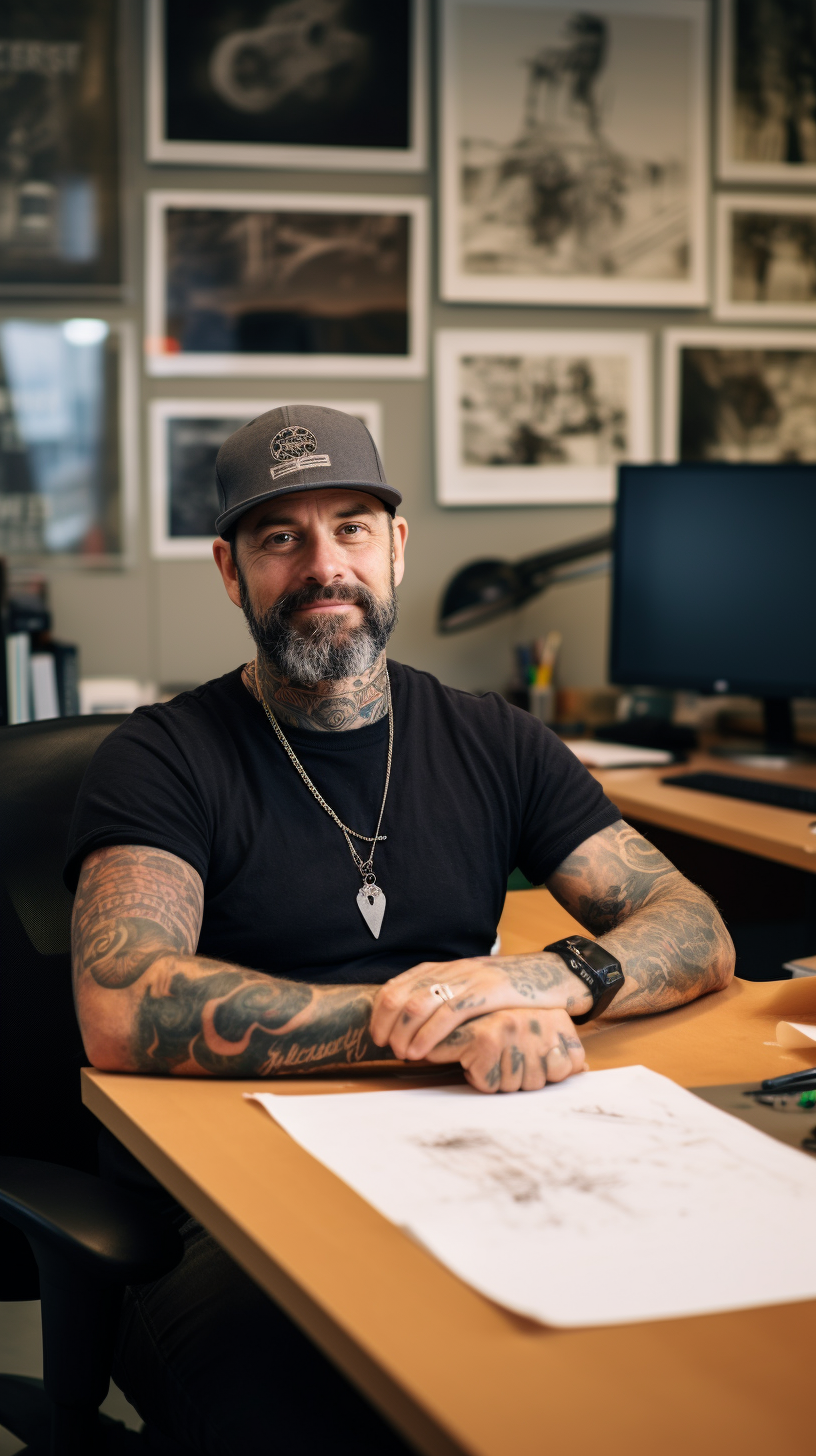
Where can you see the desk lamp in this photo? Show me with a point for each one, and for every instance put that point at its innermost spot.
(487, 589)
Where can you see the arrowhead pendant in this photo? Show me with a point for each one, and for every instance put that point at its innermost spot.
(371, 902)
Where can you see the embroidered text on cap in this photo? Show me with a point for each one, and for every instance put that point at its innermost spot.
(294, 447)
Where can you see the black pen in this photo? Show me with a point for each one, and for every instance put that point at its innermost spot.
(792, 1081)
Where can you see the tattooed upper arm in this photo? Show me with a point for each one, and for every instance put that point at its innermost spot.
(609, 876)
(133, 905)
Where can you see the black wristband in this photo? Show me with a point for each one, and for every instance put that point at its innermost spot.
(596, 967)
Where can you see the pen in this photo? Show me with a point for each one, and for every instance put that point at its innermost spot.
(800, 1081)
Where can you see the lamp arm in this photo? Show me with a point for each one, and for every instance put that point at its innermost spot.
(536, 572)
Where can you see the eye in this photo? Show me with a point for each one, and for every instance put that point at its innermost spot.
(351, 530)
(280, 538)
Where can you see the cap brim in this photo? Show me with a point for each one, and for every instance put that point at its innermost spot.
(386, 493)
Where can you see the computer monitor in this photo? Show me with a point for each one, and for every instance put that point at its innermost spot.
(714, 583)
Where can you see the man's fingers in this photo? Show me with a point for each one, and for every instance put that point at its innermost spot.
(512, 1050)
(535, 1072)
(513, 1061)
(557, 1064)
(404, 1003)
(573, 1048)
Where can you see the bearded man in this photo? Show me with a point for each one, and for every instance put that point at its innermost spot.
(302, 865)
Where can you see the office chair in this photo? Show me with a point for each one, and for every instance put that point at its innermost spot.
(65, 1235)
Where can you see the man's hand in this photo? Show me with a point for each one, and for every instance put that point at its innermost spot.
(412, 1019)
(514, 1051)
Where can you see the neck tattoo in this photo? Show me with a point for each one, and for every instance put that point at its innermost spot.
(328, 707)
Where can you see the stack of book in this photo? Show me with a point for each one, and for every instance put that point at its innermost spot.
(39, 676)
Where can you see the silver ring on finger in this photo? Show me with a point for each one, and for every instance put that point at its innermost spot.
(442, 992)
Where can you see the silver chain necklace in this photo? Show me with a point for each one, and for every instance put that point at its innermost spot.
(370, 898)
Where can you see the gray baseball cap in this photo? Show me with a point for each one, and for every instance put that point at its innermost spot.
(297, 447)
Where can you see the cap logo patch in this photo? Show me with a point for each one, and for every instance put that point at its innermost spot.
(293, 449)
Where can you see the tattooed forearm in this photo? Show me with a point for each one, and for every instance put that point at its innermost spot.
(667, 933)
(236, 1023)
(147, 1003)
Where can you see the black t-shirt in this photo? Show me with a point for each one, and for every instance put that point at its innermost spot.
(477, 788)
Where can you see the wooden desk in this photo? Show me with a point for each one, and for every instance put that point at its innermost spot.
(779, 834)
(455, 1372)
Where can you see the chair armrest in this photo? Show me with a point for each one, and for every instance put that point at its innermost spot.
(94, 1227)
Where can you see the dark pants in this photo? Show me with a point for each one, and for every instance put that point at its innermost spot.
(210, 1361)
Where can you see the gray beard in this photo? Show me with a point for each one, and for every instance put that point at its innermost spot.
(328, 650)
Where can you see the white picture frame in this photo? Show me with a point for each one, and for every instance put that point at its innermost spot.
(463, 481)
(165, 357)
(161, 148)
(783, 269)
(165, 545)
(731, 138)
(42, 414)
(666, 227)
(753, 423)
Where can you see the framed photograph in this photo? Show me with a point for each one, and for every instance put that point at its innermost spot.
(739, 394)
(767, 91)
(69, 469)
(185, 437)
(59, 148)
(766, 258)
(574, 152)
(287, 83)
(530, 417)
(286, 284)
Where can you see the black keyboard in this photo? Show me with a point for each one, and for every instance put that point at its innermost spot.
(759, 791)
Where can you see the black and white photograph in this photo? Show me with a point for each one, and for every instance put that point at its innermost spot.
(287, 83)
(532, 417)
(574, 152)
(185, 437)
(59, 140)
(68, 447)
(766, 258)
(767, 91)
(739, 395)
(303, 284)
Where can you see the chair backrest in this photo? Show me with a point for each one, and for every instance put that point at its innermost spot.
(41, 768)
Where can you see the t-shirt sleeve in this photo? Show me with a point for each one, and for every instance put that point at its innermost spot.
(140, 788)
(562, 804)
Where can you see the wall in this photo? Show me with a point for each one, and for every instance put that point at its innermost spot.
(171, 623)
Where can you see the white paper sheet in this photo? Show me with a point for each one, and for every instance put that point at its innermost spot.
(596, 754)
(796, 1034)
(611, 1197)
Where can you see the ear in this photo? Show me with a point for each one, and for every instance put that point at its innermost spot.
(222, 555)
(400, 537)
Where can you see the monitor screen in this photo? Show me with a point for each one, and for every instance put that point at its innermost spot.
(714, 582)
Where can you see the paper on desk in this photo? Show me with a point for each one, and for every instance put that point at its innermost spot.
(616, 755)
(611, 1197)
(791, 1034)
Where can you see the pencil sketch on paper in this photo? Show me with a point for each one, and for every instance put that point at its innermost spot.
(524, 1197)
(547, 1181)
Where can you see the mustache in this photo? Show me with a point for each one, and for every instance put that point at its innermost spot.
(290, 602)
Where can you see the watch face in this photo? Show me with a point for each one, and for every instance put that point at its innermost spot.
(595, 956)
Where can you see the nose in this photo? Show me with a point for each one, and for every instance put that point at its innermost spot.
(322, 561)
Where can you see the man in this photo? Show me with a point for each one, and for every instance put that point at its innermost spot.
(302, 865)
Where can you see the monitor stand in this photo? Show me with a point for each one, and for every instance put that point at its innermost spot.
(778, 746)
